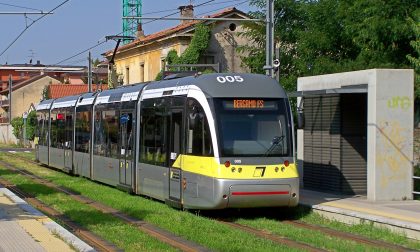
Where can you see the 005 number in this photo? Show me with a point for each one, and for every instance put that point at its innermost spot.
(230, 79)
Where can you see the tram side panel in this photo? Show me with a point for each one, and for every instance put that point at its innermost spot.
(82, 141)
(42, 136)
(152, 173)
(57, 139)
(199, 162)
(105, 151)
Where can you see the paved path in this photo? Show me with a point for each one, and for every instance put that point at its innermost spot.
(16, 150)
(23, 228)
(400, 216)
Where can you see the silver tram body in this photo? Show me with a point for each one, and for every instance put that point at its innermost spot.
(207, 142)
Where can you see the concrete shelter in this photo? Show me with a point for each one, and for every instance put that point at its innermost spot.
(358, 133)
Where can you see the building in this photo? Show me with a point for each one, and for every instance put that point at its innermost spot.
(59, 90)
(22, 72)
(142, 59)
(357, 137)
(24, 94)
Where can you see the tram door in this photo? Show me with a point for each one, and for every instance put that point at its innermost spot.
(126, 147)
(68, 142)
(176, 132)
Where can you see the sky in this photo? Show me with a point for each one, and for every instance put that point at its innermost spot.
(80, 24)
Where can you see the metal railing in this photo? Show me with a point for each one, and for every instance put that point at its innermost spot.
(414, 182)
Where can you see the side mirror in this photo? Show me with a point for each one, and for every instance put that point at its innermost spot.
(300, 119)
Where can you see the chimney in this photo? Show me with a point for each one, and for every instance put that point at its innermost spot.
(186, 11)
(140, 32)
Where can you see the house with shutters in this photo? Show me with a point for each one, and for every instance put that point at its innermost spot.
(142, 59)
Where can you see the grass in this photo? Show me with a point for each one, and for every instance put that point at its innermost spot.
(210, 233)
(108, 227)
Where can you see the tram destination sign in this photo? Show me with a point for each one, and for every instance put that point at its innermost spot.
(258, 104)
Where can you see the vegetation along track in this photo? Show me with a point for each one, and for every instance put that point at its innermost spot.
(154, 231)
(148, 228)
(256, 232)
(90, 238)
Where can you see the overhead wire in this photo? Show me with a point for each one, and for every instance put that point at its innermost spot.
(28, 26)
(103, 40)
(22, 7)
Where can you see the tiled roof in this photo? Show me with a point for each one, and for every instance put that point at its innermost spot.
(172, 30)
(61, 90)
(16, 86)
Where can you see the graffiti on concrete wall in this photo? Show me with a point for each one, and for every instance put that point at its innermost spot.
(401, 102)
(393, 145)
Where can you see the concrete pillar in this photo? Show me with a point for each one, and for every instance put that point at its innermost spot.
(390, 134)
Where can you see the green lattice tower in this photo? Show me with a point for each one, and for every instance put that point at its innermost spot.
(131, 8)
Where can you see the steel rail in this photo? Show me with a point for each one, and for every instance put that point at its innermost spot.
(346, 236)
(154, 231)
(304, 225)
(93, 240)
(272, 237)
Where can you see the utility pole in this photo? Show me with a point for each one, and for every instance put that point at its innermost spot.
(10, 98)
(269, 45)
(90, 73)
(277, 68)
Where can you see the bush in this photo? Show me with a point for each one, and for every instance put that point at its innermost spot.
(17, 124)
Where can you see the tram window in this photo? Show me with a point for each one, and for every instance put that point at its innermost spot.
(42, 129)
(106, 134)
(57, 129)
(154, 119)
(68, 131)
(198, 135)
(83, 119)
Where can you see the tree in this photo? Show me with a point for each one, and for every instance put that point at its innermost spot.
(18, 125)
(414, 59)
(326, 36)
(199, 43)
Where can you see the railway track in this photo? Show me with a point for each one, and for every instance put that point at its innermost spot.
(156, 232)
(259, 233)
(93, 240)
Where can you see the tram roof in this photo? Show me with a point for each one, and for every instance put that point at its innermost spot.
(86, 99)
(44, 104)
(123, 93)
(64, 102)
(245, 85)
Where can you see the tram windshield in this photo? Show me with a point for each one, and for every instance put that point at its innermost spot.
(253, 127)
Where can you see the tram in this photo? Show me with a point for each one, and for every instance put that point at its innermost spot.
(209, 141)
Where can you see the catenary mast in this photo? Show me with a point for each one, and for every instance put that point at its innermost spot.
(131, 8)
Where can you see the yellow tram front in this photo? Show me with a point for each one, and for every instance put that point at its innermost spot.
(246, 148)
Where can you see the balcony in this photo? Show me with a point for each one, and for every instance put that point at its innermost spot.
(4, 103)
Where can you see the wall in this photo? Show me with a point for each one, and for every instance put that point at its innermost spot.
(150, 56)
(223, 47)
(29, 94)
(6, 134)
(224, 44)
(390, 127)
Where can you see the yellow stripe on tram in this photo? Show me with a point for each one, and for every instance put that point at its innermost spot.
(208, 166)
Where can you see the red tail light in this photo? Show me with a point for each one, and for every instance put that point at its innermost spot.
(286, 163)
(227, 164)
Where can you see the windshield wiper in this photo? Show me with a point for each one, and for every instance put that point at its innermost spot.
(276, 141)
